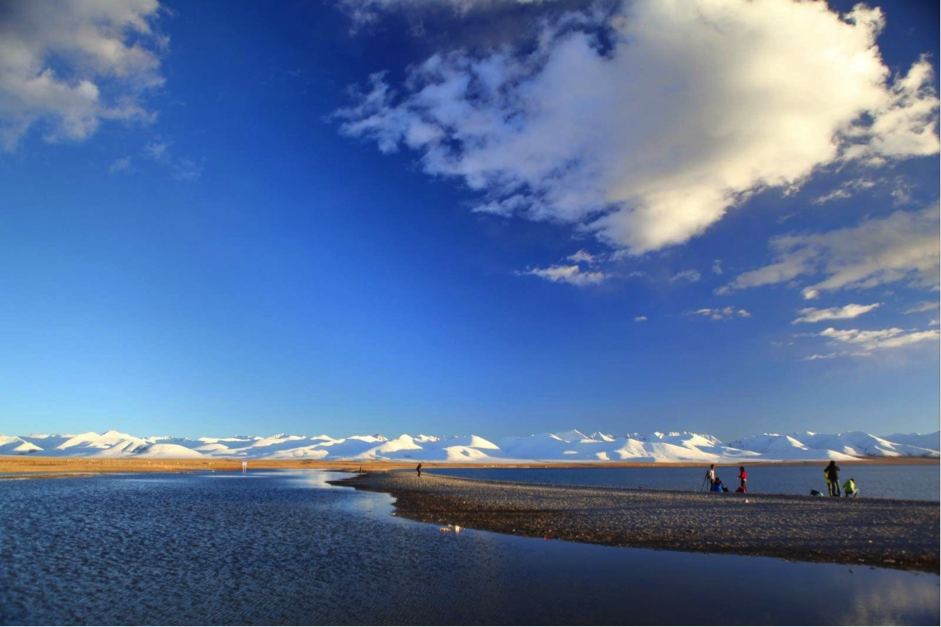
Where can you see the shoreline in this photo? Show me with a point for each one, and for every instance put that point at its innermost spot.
(863, 532)
(98, 465)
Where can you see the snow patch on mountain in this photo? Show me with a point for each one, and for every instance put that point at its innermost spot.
(574, 445)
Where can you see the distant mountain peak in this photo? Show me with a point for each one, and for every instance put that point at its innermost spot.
(571, 446)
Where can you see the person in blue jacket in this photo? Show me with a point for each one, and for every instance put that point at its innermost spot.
(717, 485)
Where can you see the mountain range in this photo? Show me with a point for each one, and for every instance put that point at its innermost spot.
(572, 445)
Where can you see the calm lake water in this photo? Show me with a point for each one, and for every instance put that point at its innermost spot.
(915, 482)
(282, 547)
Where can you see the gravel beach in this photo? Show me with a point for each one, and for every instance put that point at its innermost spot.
(871, 532)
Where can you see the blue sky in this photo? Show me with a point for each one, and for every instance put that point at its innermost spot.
(243, 218)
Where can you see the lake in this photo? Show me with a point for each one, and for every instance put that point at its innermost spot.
(911, 482)
(284, 547)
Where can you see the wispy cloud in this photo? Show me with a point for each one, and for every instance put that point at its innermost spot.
(158, 150)
(363, 12)
(846, 190)
(571, 274)
(120, 165)
(811, 314)
(183, 168)
(722, 313)
(903, 246)
(869, 341)
(640, 318)
(928, 305)
(583, 256)
(690, 276)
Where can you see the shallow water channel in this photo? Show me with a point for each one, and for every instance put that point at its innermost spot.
(284, 547)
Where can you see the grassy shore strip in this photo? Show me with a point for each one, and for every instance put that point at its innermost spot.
(871, 532)
(67, 465)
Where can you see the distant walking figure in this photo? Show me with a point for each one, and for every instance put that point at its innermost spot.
(418, 470)
(743, 479)
(711, 476)
(832, 473)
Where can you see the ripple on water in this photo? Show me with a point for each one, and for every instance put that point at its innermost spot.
(286, 548)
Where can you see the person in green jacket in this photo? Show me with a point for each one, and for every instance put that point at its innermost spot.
(849, 488)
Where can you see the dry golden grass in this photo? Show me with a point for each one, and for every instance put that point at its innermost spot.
(60, 465)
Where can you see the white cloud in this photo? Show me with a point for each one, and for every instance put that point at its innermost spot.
(183, 168)
(723, 313)
(573, 275)
(818, 356)
(158, 150)
(717, 267)
(583, 256)
(902, 194)
(694, 107)
(188, 169)
(811, 314)
(69, 64)
(868, 341)
(120, 165)
(903, 246)
(686, 275)
(928, 305)
(846, 190)
(640, 318)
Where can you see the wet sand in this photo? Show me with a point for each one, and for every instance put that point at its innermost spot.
(869, 532)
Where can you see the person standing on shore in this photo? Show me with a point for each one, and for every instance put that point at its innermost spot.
(711, 476)
(832, 473)
(418, 470)
(743, 479)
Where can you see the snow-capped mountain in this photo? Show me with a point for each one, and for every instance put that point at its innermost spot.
(656, 447)
(809, 445)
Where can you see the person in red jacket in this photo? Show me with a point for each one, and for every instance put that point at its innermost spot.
(743, 479)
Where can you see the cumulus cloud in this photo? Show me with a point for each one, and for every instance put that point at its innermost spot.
(811, 314)
(648, 134)
(903, 246)
(572, 275)
(66, 65)
(869, 341)
(723, 313)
